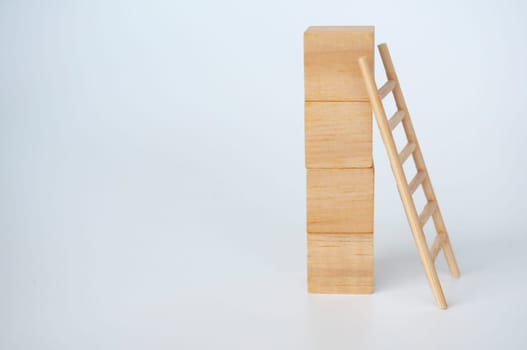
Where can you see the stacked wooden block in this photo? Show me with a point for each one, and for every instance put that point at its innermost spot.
(338, 145)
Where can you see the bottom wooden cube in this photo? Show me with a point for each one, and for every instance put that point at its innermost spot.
(340, 263)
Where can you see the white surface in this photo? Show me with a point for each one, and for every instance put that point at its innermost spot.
(152, 177)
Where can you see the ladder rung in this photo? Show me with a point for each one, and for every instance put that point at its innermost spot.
(386, 88)
(436, 246)
(405, 153)
(429, 209)
(416, 181)
(396, 119)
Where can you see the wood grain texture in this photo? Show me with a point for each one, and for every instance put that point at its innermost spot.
(340, 200)
(338, 134)
(331, 72)
(340, 263)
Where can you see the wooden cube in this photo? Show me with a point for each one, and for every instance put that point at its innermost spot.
(331, 69)
(340, 263)
(338, 134)
(340, 200)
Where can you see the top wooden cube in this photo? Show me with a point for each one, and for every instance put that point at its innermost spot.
(331, 68)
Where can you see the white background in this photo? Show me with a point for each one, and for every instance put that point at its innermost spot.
(153, 185)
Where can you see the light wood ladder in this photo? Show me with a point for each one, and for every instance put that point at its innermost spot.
(406, 190)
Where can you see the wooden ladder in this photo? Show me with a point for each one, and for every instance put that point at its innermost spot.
(406, 190)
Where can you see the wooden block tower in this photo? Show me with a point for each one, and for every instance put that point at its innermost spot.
(338, 151)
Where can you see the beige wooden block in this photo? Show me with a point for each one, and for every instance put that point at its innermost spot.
(331, 70)
(340, 263)
(340, 200)
(338, 134)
